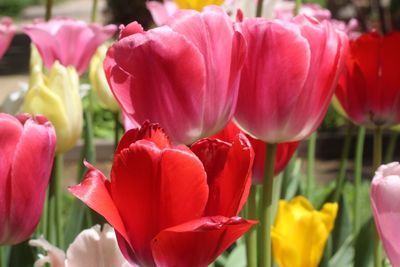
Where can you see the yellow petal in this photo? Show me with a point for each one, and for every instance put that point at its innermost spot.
(197, 4)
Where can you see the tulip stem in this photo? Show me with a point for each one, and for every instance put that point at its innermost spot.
(116, 129)
(49, 5)
(264, 252)
(94, 11)
(377, 161)
(297, 7)
(251, 237)
(358, 178)
(259, 8)
(310, 164)
(391, 146)
(2, 263)
(55, 201)
(343, 162)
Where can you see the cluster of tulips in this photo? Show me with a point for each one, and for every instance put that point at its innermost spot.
(213, 108)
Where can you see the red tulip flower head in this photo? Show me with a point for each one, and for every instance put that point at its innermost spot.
(171, 205)
(369, 88)
(284, 152)
(288, 78)
(27, 148)
(184, 76)
(71, 42)
(7, 31)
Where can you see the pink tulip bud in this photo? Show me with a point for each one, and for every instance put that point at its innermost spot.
(385, 200)
(26, 155)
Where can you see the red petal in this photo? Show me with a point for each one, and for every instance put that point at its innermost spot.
(228, 173)
(148, 131)
(94, 192)
(155, 189)
(198, 242)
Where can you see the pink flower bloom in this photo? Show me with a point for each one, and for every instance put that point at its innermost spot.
(385, 200)
(288, 77)
(184, 76)
(284, 10)
(161, 12)
(91, 248)
(26, 155)
(7, 31)
(71, 42)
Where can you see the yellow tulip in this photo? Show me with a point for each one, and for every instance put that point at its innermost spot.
(57, 97)
(197, 4)
(99, 83)
(300, 232)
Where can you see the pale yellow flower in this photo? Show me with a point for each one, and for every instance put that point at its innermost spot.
(98, 79)
(300, 232)
(57, 97)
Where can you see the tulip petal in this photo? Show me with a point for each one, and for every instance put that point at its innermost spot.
(55, 256)
(94, 192)
(198, 242)
(228, 170)
(155, 189)
(162, 68)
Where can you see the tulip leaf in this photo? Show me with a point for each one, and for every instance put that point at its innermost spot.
(344, 255)
(21, 255)
(363, 246)
(237, 258)
(343, 227)
(291, 179)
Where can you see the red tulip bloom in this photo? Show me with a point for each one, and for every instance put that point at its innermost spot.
(369, 88)
(27, 148)
(71, 42)
(184, 76)
(169, 205)
(284, 152)
(288, 78)
(7, 31)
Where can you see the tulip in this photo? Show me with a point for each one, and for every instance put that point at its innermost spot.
(27, 150)
(368, 89)
(284, 152)
(184, 77)
(57, 97)
(169, 205)
(300, 232)
(91, 248)
(71, 42)
(385, 192)
(99, 81)
(288, 77)
(7, 31)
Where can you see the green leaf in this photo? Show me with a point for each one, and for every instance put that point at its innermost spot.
(237, 258)
(364, 245)
(344, 255)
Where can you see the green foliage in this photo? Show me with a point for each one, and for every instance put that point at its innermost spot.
(14, 7)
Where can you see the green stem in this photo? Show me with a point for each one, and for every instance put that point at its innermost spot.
(297, 7)
(266, 203)
(377, 161)
(259, 8)
(55, 222)
(94, 11)
(343, 162)
(251, 237)
(2, 263)
(358, 164)
(311, 164)
(391, 146)
(49, 5)
(116, 129)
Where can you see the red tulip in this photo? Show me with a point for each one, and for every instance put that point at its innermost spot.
(71, 42)
(184, 76)
(26, 155)
(169, 205)
(369, 88)
(7, 31)
(288, 77)
(284, 152)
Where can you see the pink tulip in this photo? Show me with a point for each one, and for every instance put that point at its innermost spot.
(162, 12)
(288, 77)
(184, 76)
(7, 31)
(26, 155)
(71, 42)
(385, 200)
